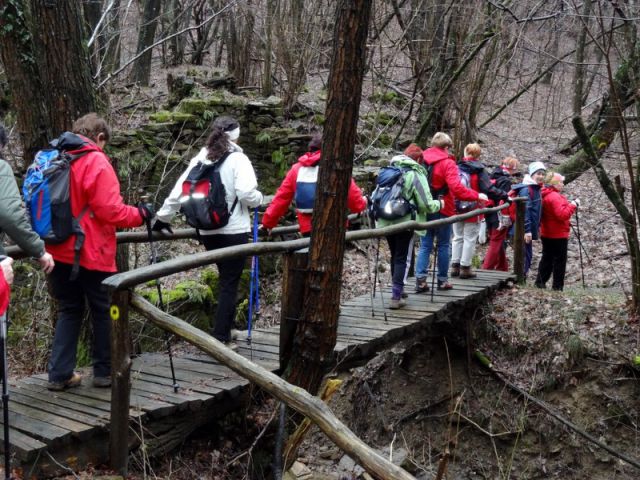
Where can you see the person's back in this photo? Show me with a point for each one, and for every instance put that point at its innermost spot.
(299, 185)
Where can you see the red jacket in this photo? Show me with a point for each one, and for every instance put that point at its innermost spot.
(445, 172)
(94, 184)
(287, 190)
(5, 293)
(556, 214)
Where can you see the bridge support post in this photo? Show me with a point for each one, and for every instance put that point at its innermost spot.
(120, 382)
(293, 282)
(518, 241)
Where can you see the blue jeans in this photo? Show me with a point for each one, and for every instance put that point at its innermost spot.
(71, 295)
(528, 257)
(443, 238)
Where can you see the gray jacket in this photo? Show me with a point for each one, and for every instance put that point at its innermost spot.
(13, 217)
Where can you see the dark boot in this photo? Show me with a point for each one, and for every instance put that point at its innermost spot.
(465, 272)
(455, 269)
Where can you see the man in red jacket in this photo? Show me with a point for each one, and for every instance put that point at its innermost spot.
(300, 185)
(444, 183)
(554, 232)
(97, 203)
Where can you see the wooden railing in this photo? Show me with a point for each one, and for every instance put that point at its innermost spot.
(120, 287)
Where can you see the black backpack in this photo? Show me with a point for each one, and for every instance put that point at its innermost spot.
(203, 200)
(435, 192)
(387, 201)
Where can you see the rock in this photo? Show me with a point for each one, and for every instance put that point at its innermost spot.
(347, 464)
(298, 471)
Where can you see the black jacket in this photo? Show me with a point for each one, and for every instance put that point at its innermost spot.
(501, 182)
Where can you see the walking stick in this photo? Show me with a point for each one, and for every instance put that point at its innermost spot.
(376, 277)
(254, 283)
(167, 338)
(435, 264)
(4, 321)
(579, 245)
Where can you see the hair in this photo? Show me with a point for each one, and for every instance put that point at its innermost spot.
(472, 150)
(511, 163)
(414, 152)
(3, 137)
(441, 140)
(92, 126)
(315, 143)
(218, 142)
(553, 178)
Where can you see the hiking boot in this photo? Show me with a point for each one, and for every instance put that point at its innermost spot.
(466, 272)
(444, 285)
(72, 382)
(404, 295)
(231, 345)
(397, 303)
(455, 269)
(422, 285)
(102, 382)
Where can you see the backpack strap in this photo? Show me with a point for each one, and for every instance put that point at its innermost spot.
(216, 165)
(77, 246)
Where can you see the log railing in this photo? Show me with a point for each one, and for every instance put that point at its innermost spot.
(120, 286)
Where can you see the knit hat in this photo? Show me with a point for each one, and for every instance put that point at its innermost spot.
(554, 179)
(535, 166)
(414, 152)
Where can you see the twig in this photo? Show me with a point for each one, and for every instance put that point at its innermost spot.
(426, 408)
(549, 410)
(249, 450)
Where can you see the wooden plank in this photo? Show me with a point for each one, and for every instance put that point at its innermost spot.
(77, 429)
(57, 410)
(40, 394)
(50, 434)
(25, 446)
(206, 387)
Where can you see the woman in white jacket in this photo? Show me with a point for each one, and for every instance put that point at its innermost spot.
(242, 195)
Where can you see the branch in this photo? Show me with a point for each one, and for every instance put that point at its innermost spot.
(295, 397)
(99, 24)
(161, 41)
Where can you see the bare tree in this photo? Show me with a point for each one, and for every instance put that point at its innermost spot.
(141, 71)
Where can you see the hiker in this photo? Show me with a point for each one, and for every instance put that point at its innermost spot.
(415, 190)
(530, 189)
(465, 233)
(13, 218)
(445, 183)
(6, 279)
(241, 192)
(554, 231)
(496, 257)
(299, 185)
(94, 189)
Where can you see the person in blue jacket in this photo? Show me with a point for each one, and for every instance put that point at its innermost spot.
(530, 188)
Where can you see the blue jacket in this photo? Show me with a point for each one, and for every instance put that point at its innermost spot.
(530, 189)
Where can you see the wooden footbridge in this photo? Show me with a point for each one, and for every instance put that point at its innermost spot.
(56, 432)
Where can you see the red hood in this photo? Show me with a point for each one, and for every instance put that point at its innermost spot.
(435, 154)
(547, 190)
(309, 159)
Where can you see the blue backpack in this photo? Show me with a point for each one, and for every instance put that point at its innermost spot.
(306, 182)
(387, 201)
(46, 194)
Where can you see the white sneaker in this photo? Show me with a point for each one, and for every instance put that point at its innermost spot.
(237, 334)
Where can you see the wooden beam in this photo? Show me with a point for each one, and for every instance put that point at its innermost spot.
(293, 282)
(120, 382)
(518, 242)
(295, 397)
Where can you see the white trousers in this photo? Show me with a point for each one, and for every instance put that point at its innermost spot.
(465, 236)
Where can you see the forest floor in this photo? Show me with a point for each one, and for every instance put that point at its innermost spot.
(573, 350)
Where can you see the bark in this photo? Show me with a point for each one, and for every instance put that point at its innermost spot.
(267, 72)
(317, 330)
(18, 59)
(579, 72)
(149, 23)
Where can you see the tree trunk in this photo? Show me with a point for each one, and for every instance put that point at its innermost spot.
(18, 58)
(111, 40)
(579, 72)
(148, 23)
(63, 62)
(267, 84)
(317, 330)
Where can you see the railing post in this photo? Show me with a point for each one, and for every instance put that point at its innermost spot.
(293, 281)
(120, 381)
(518, 241)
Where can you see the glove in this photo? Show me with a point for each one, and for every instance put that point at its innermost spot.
(162, 227)
(146, 211)
(576, 202)
(483, 197)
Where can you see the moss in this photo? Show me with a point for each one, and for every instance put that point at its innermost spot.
(193, 106)
(318, 119)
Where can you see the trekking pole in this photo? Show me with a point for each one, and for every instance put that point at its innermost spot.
(579, 245)
(254, 284)
(167, 337)
(373, 312)
(376, 277)
(4, 322)
(435, 264)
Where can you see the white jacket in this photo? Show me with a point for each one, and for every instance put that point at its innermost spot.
(239, 180)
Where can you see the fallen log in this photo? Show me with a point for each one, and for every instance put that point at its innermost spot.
(295, 397)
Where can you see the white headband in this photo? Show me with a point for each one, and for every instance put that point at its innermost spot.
(233, 134)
